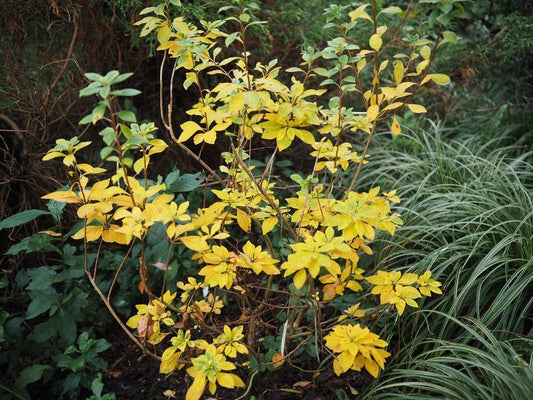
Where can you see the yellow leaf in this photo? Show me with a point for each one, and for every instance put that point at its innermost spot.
(52, 154)
(382, 66)
(408, 279)
(440, 79)
(195, 243)
(189, 128)
(225, 379)
(381, 30)
(197, 388)
(421, 66)
(371, 367)
(337, 367)
(244, 220)
(425, 52)
(361, 64)
(388, 92)
(62, 196)
(402, 87)
(163, 34)
(51, 233)
(400, 306)
(359, 13)
(399, 70)
(268, 224)
(299, 278)
(375, 42)
(372, 112)
(395, 128)
(69, 160)
(393, 106)
(346, 360)
(305, 136)
(417, 108)
(91, 232)
(237, 382)
(169, 363)
(138, 166)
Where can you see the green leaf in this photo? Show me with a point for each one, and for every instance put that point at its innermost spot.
(43, 301)
(36, 242)
(391, 10)
(111, 77)
(108, 135)
(42, 278)
(321, 72)
(98, 112)
(31, 374)
(450, 36)
(125, 92)
(86, 120)
(126, 115)
(97, 386)
(21, 218)
(105, 152)
(231, 38)
(294, 69)
(185, 182)
(91, 89)
(71, 382)
(92, 76)
(104, 91)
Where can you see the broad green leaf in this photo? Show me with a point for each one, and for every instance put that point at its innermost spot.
(119, 78)
(450, 37)
(92, 76)
(31, 374)
(86, 120)
(126, 115)
(93, 88)
(108, 135)
(231, 38)
(36, 242)
(21, 218)
(321, 71)
(43, 301)
(391, 10)
(125, 92)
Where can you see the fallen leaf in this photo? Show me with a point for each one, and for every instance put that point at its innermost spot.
(162, 266)
(277, 360)
(301, 384)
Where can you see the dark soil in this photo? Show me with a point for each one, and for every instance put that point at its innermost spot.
(133, 376)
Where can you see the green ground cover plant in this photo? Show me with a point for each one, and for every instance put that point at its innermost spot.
(469, 219)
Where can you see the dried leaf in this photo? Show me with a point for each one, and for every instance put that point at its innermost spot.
(277, 360)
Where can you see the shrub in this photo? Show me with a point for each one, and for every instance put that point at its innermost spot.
(280, 269)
